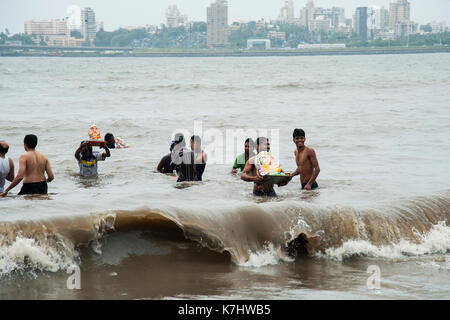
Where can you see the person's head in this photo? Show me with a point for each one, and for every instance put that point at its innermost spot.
(196, 143)
(4, 147)
(30, 142)
(178, 140)
(299, 137)
(249, 145)
(262, 144)
(86, 149)
(109, 138)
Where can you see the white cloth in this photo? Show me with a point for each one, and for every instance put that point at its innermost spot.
(4, 171)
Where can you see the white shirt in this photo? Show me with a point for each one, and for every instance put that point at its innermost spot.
(4, 171)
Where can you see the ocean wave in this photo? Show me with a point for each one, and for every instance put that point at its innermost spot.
(253, 235)
(437, 240)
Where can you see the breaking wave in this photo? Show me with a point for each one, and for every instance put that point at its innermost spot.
(253, 235)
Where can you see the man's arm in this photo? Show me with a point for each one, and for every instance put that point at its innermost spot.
(19, 177)
(49, 171)
(78, 152)
(160, 165)
(235, 166)
(297, 170)
(107, 153)
(316, 169)
(10, 176)
(247, 170)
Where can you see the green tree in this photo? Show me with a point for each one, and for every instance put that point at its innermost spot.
(76, 34)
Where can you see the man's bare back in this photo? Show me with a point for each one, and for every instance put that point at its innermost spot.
(36, 164)
(32, 168)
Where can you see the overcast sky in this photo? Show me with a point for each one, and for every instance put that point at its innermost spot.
(121, 13)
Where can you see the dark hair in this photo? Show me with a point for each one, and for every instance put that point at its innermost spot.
(108, 136)
(3, 150)
(179, 139)
(261, 140)
(31, 141)
(298, 133)
(89, 147)
(196, 139)
(250, 142)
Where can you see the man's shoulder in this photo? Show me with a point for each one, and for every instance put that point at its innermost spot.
(309, 149)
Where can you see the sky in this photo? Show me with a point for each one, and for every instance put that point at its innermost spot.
(120, 13)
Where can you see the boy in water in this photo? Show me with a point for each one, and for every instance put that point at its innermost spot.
(87, 159)
(307, 164)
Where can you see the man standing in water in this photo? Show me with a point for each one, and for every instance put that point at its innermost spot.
(32, 168)
(200, 156)
(6, 165)
(184, 159)
(307, 164)
(88, 159)
(250, 173)
(241, 160)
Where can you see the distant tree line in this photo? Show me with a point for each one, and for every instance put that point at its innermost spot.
(194, 36)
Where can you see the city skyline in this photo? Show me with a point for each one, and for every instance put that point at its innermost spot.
(13, 13)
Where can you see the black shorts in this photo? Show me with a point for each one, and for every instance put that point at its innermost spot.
(259, 193)
(313, 186)
(34, 188)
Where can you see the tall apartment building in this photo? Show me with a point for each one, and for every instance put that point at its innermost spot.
(361, 23)
(287, 12)
(217, 24)
(174, 19)
(399, 11)
(47, 27)
(307, 14)
(88, 25)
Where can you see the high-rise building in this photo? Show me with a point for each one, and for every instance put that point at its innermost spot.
(74, 17)
(217, 24)
(47, 27)
(337, 17)
(384, 18)
(307, 14)
(361, 23)
(399, 11)
(88, 25)
(287, 12)
(174, 19)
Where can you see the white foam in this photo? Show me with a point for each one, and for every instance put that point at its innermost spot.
(437, 240)
(25, 253)
(269, 256)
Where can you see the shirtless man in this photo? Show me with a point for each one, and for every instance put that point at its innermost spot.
(32, 166)
(307, 164)
(250, 173)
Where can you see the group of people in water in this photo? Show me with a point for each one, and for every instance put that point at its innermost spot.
(188, 163)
